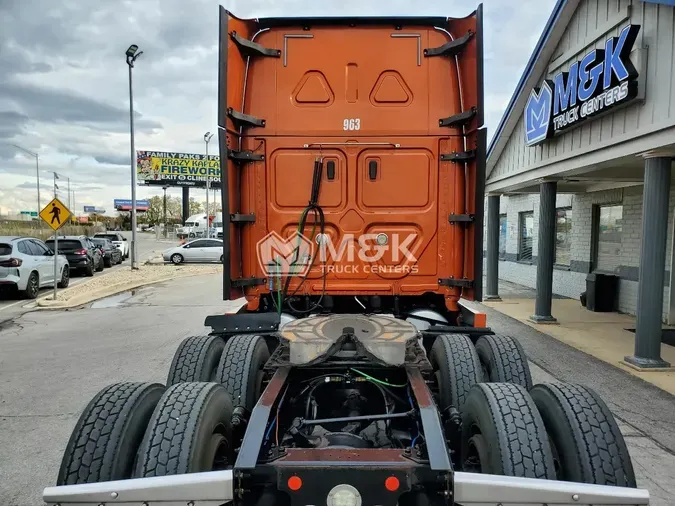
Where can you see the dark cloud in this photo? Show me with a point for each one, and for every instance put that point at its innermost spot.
(11, 123)
(62, 106)
(27, 185)
(113, 159)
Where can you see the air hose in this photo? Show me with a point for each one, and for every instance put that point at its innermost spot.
(319, 218)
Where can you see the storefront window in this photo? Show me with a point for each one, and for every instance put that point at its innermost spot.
(502, 236)
(608, 247)
(563, 236)
(526, 235)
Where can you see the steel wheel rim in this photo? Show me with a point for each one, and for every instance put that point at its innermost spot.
(217, 451)
(476, 459)
(33, 284)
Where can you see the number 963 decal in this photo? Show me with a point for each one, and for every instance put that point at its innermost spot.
(351, 124)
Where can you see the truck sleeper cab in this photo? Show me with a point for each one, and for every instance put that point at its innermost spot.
(365, 137)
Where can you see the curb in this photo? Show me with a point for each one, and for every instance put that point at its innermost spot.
(108, 291)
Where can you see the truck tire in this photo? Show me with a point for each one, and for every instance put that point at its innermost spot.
(103, 445)
(503, 360)
(189, 432)
(503, 433)
(588, 446)
(240, 369)
(196, 359)
(457, 368)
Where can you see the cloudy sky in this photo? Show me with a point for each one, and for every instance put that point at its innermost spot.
(64, 80)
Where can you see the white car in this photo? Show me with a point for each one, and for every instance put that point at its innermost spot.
(27, 264)
(199, 250)
(118, 240)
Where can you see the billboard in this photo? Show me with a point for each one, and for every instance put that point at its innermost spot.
(161, 168)
(125, 205)
(94, 209)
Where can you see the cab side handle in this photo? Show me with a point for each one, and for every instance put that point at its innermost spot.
(372, 170)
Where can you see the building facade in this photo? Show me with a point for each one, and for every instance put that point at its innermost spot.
(578, 177)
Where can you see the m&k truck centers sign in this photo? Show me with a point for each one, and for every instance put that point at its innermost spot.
(603, 79)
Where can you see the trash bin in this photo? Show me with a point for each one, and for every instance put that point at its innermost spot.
(601, 291)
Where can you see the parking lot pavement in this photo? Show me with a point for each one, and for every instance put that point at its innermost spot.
(53, 362)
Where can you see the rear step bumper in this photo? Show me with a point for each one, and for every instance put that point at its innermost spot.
(217, 487)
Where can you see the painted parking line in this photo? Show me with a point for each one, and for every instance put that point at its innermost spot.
(7, 306)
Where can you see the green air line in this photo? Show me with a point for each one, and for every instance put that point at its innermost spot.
(377, 380)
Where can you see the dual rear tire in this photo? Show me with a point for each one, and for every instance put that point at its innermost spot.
(510, 427)
(133, 430)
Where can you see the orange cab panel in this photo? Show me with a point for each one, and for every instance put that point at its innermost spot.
(354, 155)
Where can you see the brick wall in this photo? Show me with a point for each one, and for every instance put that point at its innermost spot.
(571, 282)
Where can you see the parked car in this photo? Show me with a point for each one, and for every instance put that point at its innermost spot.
(112, 255)
(199, 250)
(81, 252)
(27, 264)
(117, 239)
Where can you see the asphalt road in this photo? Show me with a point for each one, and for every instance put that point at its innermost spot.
(11, 307)
(53, 362)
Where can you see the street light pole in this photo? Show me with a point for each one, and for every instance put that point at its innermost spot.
(37, 172)
(207, 138)
(164, 188)
(132, 54)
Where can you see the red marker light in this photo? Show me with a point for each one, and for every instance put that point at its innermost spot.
(391, 484)
(294, 483)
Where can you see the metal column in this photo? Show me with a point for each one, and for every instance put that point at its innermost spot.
(186, 203)
(492, 281)
(545, 253)
(655, 196)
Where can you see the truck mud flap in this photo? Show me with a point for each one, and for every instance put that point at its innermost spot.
(243, 323)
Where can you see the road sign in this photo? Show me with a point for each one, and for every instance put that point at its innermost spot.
(55, 214)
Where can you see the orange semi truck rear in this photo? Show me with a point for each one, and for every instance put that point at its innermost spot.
(365, 137)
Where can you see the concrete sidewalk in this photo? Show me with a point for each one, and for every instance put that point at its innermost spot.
(606, 336)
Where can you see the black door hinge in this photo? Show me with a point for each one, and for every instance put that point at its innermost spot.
(458, 120)
(461, 218)
(244, 156)
(450, 48)
(452, 282)
(242, 218)
(250, 48)
(463, 156)
(239, 119)
(242, 282)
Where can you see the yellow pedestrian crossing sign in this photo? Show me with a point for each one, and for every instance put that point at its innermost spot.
(55, 214)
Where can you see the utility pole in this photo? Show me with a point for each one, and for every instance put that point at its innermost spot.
(207, 138)
(56, 176)
(37, 173)
(71, 209)
(164, 188)
(132, 54)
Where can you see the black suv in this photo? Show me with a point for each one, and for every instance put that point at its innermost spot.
(81, 252)
(111, 254)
